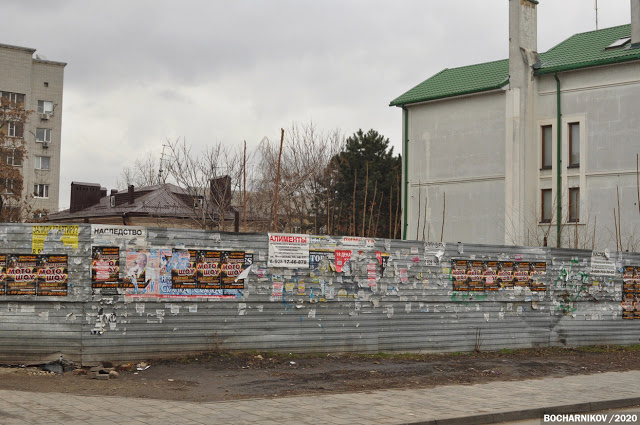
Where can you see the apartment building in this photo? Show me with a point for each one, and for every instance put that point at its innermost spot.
(37, 82)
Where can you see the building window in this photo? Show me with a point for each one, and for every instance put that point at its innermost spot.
(14, 129)
(43, 135)
(547, 146)
(41, 190)
(546, 206)
(574, 204)
(574, 144)
(14, 158)
(45, 107)
(7, 186)
(42, 162)
(618, 43)
(15, 98)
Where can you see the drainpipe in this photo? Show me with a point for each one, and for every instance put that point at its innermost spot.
(405, 114)
(558, 163)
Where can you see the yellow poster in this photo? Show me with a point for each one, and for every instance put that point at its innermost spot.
(69, 236)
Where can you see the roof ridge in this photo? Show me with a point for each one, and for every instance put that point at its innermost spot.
(473, 64)
(581, 50)
(601, 29)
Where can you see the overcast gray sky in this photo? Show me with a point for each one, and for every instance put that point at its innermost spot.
(141, 71)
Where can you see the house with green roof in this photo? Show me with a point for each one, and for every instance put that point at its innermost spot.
(535, 149)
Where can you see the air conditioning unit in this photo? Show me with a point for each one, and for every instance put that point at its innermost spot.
(45, 116)
(45, 145)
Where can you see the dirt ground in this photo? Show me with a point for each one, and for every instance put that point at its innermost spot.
(225, 376)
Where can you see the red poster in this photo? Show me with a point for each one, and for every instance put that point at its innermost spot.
(342, 256)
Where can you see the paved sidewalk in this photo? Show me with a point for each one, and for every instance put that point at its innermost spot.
(451, 404)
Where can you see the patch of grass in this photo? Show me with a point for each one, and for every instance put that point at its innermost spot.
(249, 355)
(607, 348)
(457, 354)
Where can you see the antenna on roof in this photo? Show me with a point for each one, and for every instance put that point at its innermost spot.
(596, 14)
(161, 178)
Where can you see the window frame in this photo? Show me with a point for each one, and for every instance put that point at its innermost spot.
(15, 98)
(570, 130)
(11, 158)
(41, 107)
(45, 190)
(544, 142)
(622, 41)
(574, 205)
(46, 131)
(15, 129)
(543, 218)
(8, 186)
(38, 161)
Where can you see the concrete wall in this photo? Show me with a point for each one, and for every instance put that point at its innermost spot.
(409, 305)
(456, 146)
(603, 101)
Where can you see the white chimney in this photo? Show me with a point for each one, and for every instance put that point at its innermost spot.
(635, 23)
(523, 39)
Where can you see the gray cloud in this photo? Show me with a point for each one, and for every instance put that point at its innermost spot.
(141, 71)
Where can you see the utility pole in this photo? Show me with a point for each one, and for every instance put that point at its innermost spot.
(275, 209)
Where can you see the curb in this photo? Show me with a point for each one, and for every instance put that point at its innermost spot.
(516, 415)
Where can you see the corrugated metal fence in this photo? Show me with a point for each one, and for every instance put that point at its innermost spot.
(389, 296)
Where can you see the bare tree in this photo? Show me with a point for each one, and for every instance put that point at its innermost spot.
(209, 177)
(145, 171)
(302, 193)
(539, 232)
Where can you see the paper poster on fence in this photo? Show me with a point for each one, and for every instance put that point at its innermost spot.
(105, 266)
(342, 258)
(137, 274)
(108, 234)
(288, 250)
(53, 275)
(68, 235)
(3, 273)
(208, 269)
(183, 276)
(22, 274)
(232, 264)
(601, 265)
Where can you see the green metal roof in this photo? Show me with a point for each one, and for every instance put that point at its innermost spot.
(458, 81)
(588, 49)
(578, 51)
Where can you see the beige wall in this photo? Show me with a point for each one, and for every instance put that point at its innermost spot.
(21, 73)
